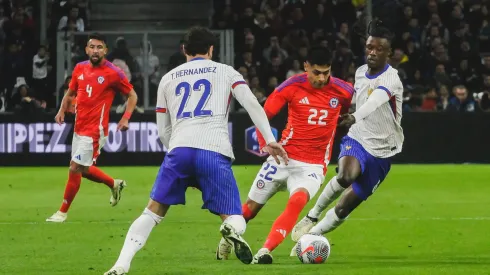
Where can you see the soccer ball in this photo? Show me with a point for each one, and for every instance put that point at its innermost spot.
(313, 249)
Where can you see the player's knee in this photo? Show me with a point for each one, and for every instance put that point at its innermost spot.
(341, 211)
(76, 168)
(345, 178)
(299, 198)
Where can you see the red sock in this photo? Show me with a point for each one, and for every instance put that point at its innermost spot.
(247, 213)
(97, 175)
(285, 222)
(71, 189)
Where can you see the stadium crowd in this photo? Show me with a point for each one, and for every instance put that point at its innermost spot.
(439, 48)
(27, 77)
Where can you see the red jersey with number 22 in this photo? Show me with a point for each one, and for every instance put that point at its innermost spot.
(96, 88)
(312, 116)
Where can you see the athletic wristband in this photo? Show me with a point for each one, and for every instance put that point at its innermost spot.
(127, 115)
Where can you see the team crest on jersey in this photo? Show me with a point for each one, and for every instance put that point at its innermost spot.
(260, 184)
(334, 102)
(100, 79)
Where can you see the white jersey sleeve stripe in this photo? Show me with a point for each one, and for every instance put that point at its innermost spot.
(390, 94)
(161, 110)
(238, 83)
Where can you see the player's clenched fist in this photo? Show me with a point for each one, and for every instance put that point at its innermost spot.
(60, 117)
(123, 124)
(275, 149)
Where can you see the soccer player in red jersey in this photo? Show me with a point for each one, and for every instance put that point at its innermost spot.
(315, 102)
(94, 83)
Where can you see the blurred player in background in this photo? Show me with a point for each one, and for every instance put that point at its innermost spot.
(94, 83)
(315, 101)
(375, 136)
(192, 118)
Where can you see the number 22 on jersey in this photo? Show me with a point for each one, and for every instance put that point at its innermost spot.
(312, 119)
(184, 89)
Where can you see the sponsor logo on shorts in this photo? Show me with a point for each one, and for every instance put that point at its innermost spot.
(348, 147)
(260, 184)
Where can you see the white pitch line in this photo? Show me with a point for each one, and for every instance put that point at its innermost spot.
(208, 221)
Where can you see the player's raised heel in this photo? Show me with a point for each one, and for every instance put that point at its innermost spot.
(242, 250)
(224, 249)
(116, 271)
(117, 191)
(302, 227)
(263, 257)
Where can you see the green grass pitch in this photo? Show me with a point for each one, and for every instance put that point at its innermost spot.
(424, 219)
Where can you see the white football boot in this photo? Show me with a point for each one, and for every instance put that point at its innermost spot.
(263, 256)
(302, 227)
(57, 217)
(116, 191)
(242, 250)
(116, 271)
(224, 249)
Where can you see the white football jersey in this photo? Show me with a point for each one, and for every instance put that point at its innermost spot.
(197, 97)
(380, 133)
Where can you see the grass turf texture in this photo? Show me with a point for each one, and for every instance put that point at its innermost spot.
(424, 219)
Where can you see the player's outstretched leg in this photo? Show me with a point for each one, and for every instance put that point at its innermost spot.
(338, 214)
(348, 171)
(282, 226)
(116, 185)
(232, 229)
(137, 235)
(71, 190)
(249, 210)
(330, 193)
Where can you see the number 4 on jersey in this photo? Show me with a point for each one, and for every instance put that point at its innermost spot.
(198, 111)
(89, 90)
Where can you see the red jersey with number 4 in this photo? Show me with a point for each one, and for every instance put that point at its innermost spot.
(312, 116)
(96, 88)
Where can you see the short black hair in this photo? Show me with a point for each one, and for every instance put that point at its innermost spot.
(319, 55)
(198, 40)
(97, 36)
(376, 29)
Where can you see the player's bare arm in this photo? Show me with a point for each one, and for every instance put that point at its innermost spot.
(65, 102)
(123, 124)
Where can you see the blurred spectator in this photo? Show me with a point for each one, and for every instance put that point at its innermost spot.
(461, 102)
(72, 21)
(40, 74)
(443, 101)
(274, 49)
(177, 58)
(151, 69)
(24, 103)
(296, 69)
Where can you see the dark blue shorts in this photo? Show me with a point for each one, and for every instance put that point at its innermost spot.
(205, 170)
(374, 170)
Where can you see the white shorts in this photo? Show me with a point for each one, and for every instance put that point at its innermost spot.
(85, 150)
(273, 178)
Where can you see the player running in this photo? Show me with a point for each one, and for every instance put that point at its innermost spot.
(315, 101)
(375, 136)
(192, 118)
(94, 83)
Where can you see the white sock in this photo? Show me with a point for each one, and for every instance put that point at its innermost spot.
(237, 222)
(328, 223)
(330, 193)
(136, 238)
